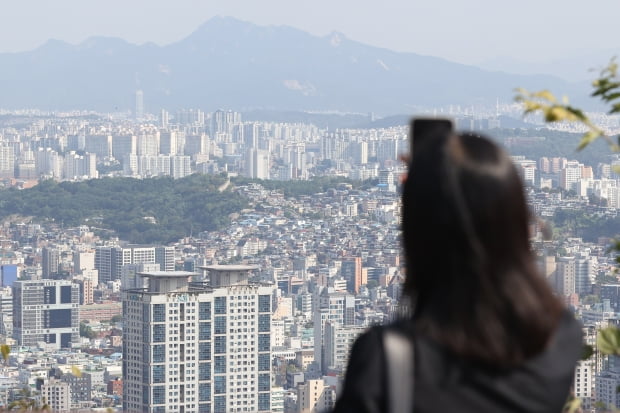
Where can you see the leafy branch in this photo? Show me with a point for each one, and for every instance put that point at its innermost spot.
(608, 341)
(606, 88)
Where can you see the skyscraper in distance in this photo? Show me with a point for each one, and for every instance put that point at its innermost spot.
(50, 258)
(257, 164)
(139, 104)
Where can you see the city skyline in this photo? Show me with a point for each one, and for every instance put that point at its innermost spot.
(206, 214)
(293, 275)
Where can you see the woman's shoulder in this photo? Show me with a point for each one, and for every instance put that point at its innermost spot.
(364, 385)
(373, 336)
(371, 339)
(569, 328)
(368, 353)
(565, 346)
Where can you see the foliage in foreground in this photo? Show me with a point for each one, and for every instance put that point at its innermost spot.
(607, 89)
(154, 210)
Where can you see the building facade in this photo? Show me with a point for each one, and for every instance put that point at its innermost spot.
(197, 347)
(46, 311)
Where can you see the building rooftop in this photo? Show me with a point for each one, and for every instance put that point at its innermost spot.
(167, 274)
(231, 267)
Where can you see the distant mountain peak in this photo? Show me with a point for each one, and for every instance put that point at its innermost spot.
(227, 62)
(53, 44)
(336, 38)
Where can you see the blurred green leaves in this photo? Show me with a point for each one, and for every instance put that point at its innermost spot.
(608, 341)
(5, 350)
(587, 352)
(606, 88)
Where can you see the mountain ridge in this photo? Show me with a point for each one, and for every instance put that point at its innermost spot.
(234, 64)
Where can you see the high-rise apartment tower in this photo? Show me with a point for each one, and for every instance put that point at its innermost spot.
(197, 347)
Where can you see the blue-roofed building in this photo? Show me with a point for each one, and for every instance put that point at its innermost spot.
(8, 275)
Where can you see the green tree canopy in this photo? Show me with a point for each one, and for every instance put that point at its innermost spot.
(154, 210)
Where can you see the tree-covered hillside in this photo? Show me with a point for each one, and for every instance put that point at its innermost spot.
(297, 188)
(155, 210)
(535, 143)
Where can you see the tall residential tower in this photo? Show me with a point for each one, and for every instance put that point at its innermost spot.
(197, 347)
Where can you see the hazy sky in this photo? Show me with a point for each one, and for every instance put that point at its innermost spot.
(470, 31)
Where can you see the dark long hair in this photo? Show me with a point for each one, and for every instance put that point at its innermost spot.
(470, 268)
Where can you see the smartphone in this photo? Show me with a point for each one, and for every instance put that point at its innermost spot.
(425, 128)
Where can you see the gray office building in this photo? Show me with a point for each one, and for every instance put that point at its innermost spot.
(46, 311)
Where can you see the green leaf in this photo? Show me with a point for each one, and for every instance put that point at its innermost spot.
(546, 95)
(75, 370)
(5, 350)
(572, 406)
(587, 352)
(613, 96)
(578, 113)
(608, 341)
(588, 138)
(604, 87)
(558, 113)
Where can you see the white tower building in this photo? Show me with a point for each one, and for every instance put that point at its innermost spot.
(180, 166)
(333, 307)
(197, 347)
(257, 164)
(7, 161)
(139, 104)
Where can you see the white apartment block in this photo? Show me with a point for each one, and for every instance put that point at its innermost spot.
(526, 168)
(110, 260)
(257, 164)
(180, 166)
(334, 307)
(277, 399)
(46, 311)
(57, 395)
(338, 342)
(78, 167)
(198, 347)
(148, 144)
(130, 164)
(164, 256)
(583, 383)
(570, 175)
(7, 161)
(565, 276)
